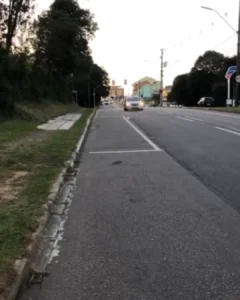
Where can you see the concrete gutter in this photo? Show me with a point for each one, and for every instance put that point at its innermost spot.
(22, 266)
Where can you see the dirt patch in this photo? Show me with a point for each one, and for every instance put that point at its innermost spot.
(11, 187)
(6, 279)
(34, 137)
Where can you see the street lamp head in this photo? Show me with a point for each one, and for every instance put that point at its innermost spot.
(208, 8)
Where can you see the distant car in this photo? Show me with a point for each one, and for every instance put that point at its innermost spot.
(206, 101)
(133, 103)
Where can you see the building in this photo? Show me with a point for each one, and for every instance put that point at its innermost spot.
(116, 91)
(166, 91)
(156, 87)
(148, 87)
(141, 83)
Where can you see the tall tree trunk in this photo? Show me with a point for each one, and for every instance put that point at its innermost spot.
(14, 10)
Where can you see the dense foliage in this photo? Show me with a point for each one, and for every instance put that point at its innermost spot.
(48, 58)
(206, 78)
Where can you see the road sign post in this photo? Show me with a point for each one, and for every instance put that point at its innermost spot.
(228, 85)
(231, 70)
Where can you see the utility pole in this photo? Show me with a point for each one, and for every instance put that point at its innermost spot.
(161, 68)
(161, 74)
(238, 60)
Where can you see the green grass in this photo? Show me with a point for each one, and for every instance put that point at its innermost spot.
(42, 112)
(29, 116)
(235, 110)
(227, 109)
(43, 162)
(15, 129)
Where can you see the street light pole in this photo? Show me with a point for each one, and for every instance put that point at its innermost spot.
(94, 97)
(212, 9)
(238, 46)
(238, 60)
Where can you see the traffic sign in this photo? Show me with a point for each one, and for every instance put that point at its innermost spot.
(238, 78)
(230, 72)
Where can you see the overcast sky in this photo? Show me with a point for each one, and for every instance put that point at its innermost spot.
(132, 31)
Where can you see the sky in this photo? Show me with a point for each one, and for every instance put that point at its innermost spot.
(132, 32)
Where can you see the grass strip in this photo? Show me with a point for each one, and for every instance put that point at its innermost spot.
(42, 162)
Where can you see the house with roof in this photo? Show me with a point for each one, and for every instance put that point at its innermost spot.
(138, 85)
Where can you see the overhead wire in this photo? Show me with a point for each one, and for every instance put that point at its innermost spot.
(223, 42)
(219, 45)
(190, 38)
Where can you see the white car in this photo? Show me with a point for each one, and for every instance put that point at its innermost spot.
(133, 103)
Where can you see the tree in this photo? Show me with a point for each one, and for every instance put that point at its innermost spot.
(16, 16)
(199, 84)
(57, 61)
(206, 78)
(210, 62)
(3, 27)
(62, 44)
(96, 81)
(100, 80)
(180, 91)
(62, 36)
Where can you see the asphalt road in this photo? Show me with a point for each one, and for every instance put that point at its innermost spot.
(155, 213)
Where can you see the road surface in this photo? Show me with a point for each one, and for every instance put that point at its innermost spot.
(155, 213)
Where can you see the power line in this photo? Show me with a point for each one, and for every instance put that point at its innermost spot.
(223, 42)
(219, 45)
(189, 39)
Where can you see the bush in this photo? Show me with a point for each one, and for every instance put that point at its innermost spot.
(22, 80)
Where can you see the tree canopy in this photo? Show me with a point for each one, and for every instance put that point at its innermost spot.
(206, 78)
(48, 57)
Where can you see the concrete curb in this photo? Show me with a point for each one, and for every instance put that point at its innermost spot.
(21, 266)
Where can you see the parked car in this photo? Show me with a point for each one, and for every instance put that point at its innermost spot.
(133, 103)
(206, 101)
(106, 102)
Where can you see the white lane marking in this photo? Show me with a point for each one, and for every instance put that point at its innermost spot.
(162, 113)
(233, 128)
(123, 151)
(227, 130)
(231, 115)
(216, 113)
(109, 117)
(151, 143)
(186, 119)
(195, 119)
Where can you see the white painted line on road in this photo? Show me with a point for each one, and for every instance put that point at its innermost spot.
(151, 143)
(186, 119)
(216, 113)
(162, 113)
(109, 117)
(233, 128)
(123, 151)
(195, 119)
(227, 130)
